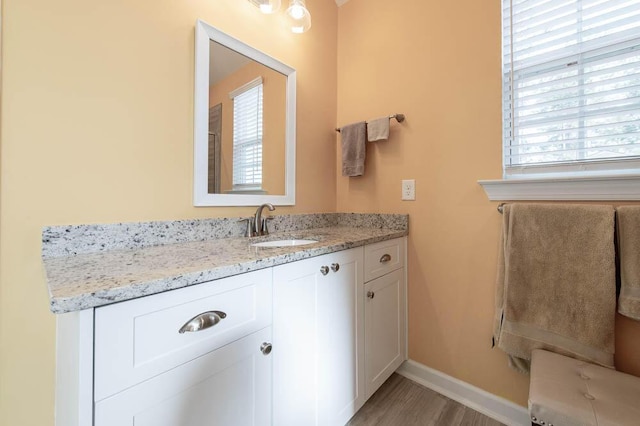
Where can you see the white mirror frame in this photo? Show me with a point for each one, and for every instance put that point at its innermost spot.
(201, 197)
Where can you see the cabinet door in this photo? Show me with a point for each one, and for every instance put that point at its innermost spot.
(318, 340)
(384, 311)
(229, 386)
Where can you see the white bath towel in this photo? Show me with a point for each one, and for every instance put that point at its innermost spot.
(378, 129)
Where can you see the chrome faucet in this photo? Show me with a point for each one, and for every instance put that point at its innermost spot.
(260, 223)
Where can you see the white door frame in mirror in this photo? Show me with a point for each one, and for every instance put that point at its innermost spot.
(201, 196)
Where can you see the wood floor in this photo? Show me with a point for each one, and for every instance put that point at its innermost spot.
(402, 402)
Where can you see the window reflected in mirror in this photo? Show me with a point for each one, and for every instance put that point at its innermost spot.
(247, 137)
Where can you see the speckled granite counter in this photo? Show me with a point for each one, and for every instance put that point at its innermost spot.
(93, 265)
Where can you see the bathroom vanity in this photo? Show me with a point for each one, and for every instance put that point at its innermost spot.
(190, 323)
(220, 331)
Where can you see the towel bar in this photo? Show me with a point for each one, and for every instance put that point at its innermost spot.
(399, 117)
(501, 207)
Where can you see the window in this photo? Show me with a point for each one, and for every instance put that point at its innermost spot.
(247, 136)
(571, 86)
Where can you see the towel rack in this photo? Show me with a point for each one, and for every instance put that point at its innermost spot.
(501, 207)
(398, 117)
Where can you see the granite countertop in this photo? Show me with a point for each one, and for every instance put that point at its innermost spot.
(91, 277)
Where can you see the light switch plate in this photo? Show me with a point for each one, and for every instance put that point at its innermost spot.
(409, 189)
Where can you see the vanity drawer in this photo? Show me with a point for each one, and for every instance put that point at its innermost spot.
(139, 339)
(383, 257)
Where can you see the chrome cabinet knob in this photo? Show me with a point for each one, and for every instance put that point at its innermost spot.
(265, 348)
(371, 294)
(335, 267)
(202, 321)
(324, 270)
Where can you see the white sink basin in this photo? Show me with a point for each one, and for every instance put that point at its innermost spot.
(284, 243)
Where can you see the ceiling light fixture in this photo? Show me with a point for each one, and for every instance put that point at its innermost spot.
(298, 16)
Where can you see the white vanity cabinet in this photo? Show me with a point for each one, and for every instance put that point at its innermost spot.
(318, 339)
(145, 372)
(384, 311)
(302, 343)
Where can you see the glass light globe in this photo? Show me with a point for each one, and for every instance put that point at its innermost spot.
(298, 16)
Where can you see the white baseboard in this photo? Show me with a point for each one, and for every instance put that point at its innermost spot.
(480, 400)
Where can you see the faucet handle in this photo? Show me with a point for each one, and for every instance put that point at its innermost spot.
(264, 230)
(249, 230)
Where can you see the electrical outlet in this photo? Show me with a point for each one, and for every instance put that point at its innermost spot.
(409, 189)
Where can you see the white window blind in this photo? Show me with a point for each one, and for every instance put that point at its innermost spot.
(247, 136)
(571, 85)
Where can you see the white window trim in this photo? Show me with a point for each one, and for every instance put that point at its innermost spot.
(612, 187)
(247, 86)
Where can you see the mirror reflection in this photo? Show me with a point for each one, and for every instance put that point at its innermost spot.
(246, 125)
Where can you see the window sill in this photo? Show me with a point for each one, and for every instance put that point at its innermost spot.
(246, 191)
(614, 187)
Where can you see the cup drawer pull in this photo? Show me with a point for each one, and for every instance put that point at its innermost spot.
(385, 258)
(202, 321)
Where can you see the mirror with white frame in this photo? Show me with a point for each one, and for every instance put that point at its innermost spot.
(244, 125)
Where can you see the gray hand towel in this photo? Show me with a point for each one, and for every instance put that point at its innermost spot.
(629, 250)
(556, 282)
(353, 148)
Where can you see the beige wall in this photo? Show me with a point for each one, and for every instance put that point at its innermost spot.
(439, 63)
(97, 114)
(274, 89)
